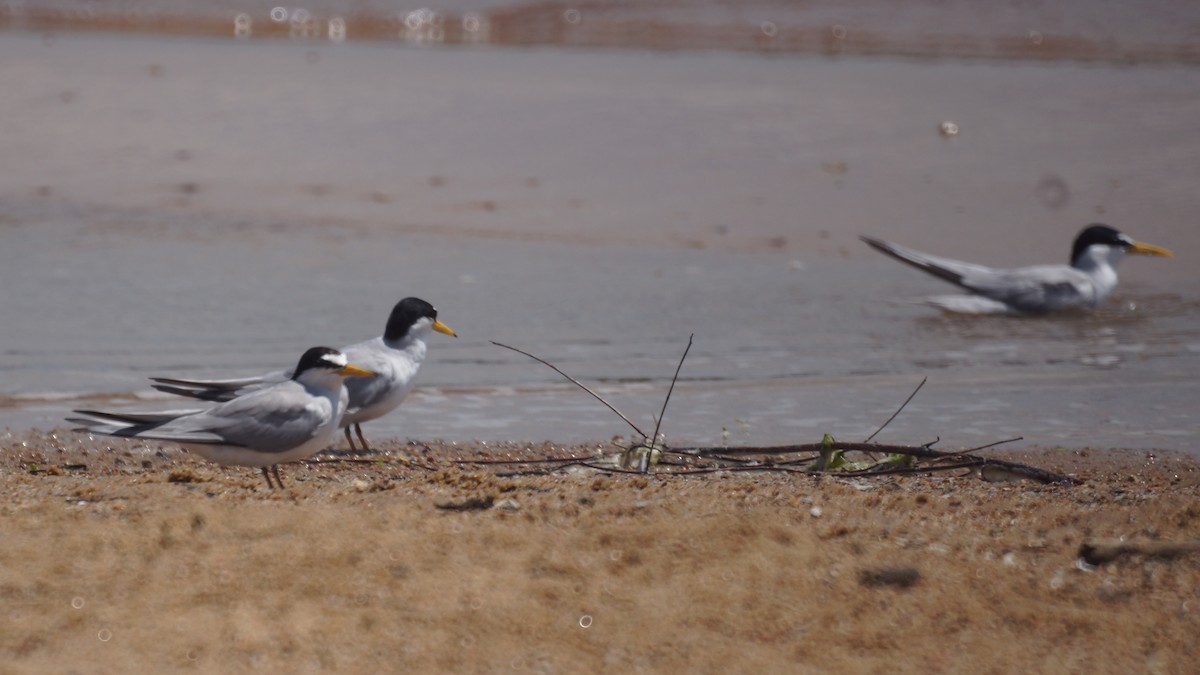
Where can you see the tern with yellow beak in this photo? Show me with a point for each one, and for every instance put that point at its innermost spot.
(1085, 283)
(395, 359)
(281, 422)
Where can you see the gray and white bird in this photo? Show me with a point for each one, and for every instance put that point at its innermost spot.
(1085, 283)
(281, 422)
(395, 359)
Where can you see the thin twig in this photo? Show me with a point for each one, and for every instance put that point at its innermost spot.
(992, 445)
(898, 410)
(658, 423)
(903, 470)
(543, 460)
(392, 461)
(614, 469)
(576, 382)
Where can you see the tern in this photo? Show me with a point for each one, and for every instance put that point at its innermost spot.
(395, 359)
(1086, 282)
(281, 422)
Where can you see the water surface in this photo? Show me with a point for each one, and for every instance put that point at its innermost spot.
(206, 208)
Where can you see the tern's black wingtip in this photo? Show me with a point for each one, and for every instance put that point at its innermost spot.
(874, 243)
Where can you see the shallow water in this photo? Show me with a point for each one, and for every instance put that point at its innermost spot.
(596, 209)
(783, 352)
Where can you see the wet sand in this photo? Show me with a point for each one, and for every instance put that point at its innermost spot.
(119, 556)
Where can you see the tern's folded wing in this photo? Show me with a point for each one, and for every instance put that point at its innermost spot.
(273, 419)
(1032, 289)
(216, 390)
(161, 426)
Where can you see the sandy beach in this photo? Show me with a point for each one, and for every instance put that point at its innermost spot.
(121, 556)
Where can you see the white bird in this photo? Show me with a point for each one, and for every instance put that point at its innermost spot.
(395, 358)
(281, 422)
(1086, 282)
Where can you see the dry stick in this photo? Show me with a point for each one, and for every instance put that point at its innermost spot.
(992, 445)
(964, 462)
(770, 468)
(586, 465)
(576, 382)
(742, 468)
(547, 472)
(400, 461)
(898, 410)
(923, 452)
(960, 461)
(727, 458)
(658, 422)
(916, 451)
(543, 460)
(967, 453)
(970, 463)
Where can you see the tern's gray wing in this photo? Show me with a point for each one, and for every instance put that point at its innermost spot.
(271, 419)
(1032, 289)
(943, 268)
(378, 358)
(394, 373)
(1028, 289)
(217, 390)
(365, 392)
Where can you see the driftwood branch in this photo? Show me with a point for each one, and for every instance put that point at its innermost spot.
(717, 459)
(825, 458)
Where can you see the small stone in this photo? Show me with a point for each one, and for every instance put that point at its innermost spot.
(900, 577)
(507, 504)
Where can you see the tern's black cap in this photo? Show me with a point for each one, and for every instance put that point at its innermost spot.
(406, 313)
(1099, 233)
(320, 357)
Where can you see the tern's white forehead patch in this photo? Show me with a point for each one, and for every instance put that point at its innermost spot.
(337, 360)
